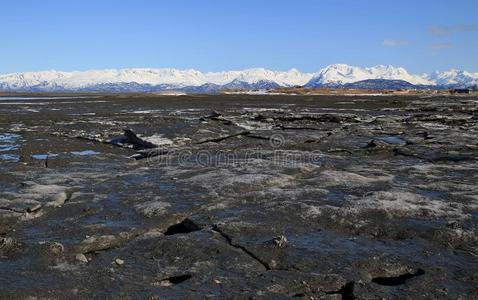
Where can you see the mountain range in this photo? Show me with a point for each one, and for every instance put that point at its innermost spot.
(157, 80)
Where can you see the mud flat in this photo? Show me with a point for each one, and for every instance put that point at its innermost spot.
(236, 196)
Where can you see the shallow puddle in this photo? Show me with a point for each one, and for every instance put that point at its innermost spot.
(85, 153)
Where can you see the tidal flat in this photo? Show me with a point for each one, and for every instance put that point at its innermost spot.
(239, 196)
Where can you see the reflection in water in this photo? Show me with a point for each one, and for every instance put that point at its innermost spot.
(10, 157)
(85, 153)
(43, 156)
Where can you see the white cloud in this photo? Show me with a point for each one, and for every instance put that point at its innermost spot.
(440, 46)
(445, 30)
(395, 42)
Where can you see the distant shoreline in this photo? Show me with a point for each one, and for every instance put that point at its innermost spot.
(272, 92)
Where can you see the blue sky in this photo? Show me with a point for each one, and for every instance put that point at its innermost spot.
(213, 35)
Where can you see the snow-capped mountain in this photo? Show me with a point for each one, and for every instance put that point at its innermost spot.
(165, 78)
(454, 77)
(340, 74)
(152, 80)
(290, 78)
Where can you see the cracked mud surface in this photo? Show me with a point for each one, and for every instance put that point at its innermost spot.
(317, 197)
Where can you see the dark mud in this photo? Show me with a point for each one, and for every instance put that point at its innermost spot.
(314, 197)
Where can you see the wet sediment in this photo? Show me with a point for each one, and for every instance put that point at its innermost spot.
(324, 197)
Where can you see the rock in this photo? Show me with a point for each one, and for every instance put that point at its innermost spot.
(131, 139)
(6, 242)
(280, 241)
(99, 243)
(81, 257)
(34, 208)
(119, 261)
(452, 224)
(152, 208)
(58, 199)
(56, 248)
(376, 144)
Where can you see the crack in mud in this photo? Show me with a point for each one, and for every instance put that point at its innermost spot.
(397, 280)
(185, 226)
(240, 247)
(173, 280)
(18, 211)
(222, 138)
(347, 291)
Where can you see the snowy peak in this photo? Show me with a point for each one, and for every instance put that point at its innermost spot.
(146, 80)
(340, 74)
(172, 77)
(77, 80)
(251, 76)
(454, 77)
(289, 78)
